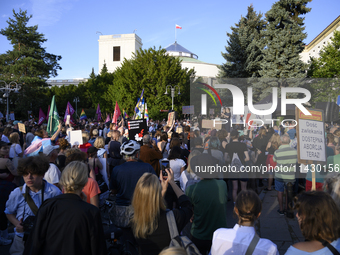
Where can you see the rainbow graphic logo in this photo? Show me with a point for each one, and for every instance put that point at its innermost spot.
(210, 94)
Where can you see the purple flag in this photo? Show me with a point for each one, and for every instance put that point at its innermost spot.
(42, 117)
(69, 111)
(99, 113)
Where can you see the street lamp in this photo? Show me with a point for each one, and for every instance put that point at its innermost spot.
(12, 86)
(76, 100)
(172, 93)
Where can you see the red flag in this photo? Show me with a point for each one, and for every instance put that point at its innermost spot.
(178, 27)
(42, 117)
(116, 114)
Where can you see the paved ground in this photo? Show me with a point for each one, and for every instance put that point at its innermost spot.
(279, 229)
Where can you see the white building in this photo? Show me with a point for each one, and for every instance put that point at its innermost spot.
(114, 48)
(314, 47)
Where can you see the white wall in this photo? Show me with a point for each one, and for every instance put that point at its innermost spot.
(129, 43)
(202, 69)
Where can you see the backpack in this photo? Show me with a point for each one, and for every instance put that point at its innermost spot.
(236, 162)
(177, 240)
(191, 179)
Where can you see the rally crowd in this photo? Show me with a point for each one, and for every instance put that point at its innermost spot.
(52, 191)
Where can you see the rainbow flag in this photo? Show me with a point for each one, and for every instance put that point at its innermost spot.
(125, 114)
(83, 115)
(146, 114)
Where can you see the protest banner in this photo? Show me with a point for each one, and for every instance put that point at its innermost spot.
(311, 141)
(212, 124)
(137, 129)
(188, 109)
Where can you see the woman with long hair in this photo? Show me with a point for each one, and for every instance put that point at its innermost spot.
(248, 207)
(319, 221)
(75, 227)
(149, 222)
(15, 149)
(176, 163)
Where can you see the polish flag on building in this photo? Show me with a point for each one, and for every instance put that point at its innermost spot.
(179, 27)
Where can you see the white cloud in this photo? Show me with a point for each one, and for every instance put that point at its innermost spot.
(48, 12)
(4, 16)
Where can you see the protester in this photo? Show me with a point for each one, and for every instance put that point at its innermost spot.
(237, 240)
(75, 227)
(19, 210)
(319, 221)
(53, 174)
(16, 149)
(149, 153)
(149, 221)
(188, 176)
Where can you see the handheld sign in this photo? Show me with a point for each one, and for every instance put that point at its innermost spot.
(137, 129)
(311, 146)
(22, 127)
(76, 137)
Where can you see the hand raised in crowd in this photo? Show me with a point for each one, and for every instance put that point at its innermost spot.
(166, 179)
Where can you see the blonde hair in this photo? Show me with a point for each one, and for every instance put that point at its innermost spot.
(14, 137)
(174, 251)
(147, 203)
(275, 141)
(99, 142)
(74, 177)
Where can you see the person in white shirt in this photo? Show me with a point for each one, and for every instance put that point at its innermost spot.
(53, 173)
(15, 149)
(236, 240)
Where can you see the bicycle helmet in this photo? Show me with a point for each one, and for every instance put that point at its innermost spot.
(129, 148)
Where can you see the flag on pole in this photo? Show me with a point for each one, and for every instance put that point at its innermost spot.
(83, 115)
(42, 117)
(99, 113)
(116, 114)
(125, 114)
(178, 27)
(107, 118)
(69, 111)
(138, 109)
(53, 118)
(146, 114)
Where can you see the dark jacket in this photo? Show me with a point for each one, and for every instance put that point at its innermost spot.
(152, 155)
(67, 225)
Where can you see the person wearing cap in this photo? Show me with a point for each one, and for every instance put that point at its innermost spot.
(53, 173)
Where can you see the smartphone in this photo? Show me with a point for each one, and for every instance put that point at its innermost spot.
(165, 165)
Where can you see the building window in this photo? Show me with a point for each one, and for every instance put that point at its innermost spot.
(116, 53)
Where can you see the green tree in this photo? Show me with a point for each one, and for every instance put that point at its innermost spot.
(28, 63)
(283, 43)
(326, 66)
(151, 70)
(243, 53)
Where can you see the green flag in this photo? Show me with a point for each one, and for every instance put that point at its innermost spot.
(53, 119)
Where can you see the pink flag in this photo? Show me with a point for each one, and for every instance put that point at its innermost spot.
(42, 117)
(107, 118)
(99, 113)
(116, 114)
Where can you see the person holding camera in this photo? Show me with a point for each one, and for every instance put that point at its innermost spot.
(24, 201)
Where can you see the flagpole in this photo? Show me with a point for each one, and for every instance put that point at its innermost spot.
(175, 34)
(51, 125)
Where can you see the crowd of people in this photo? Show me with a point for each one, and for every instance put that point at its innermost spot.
(51, 192)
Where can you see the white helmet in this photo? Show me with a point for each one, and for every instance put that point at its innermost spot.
(129, 148)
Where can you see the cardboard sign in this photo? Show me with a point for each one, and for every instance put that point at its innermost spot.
(137, 129)
(311, 137)
(22, 127)
(76, 137)
(209, 124)
(171, 119)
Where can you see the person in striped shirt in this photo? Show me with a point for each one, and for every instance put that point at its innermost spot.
(286, 159)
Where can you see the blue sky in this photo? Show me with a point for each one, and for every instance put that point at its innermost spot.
(71, 26)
